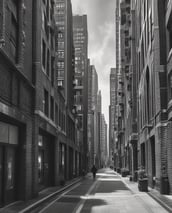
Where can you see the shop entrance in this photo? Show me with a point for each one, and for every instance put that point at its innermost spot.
(152, 140)
(7, 175)
(45, 161)
(1, 176)
(8, 165)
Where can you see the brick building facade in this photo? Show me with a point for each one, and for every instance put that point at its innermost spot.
(16, 101)
(149, 70)
(38, 129)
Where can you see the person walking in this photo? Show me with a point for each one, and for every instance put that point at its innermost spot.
(94, 170)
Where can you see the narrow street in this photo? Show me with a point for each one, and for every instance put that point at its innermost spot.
(108, 193)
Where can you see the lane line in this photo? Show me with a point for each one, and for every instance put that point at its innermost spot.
(82, 202)
(59, 198)
(29, 208)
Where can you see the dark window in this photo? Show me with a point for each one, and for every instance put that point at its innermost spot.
(43, 53)
(52, 109)
(14, 37)
(52, 70)
(13, 31)
(48, 62)
(46, 103)
(170, 86)
(170, 37)
(56, 114)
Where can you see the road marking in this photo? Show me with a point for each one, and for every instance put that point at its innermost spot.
(82, 202)
(59, 197)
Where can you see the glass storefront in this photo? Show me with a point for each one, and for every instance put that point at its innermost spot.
(45, 161)
(8, 165)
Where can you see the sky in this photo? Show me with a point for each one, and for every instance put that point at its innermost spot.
(101, 41)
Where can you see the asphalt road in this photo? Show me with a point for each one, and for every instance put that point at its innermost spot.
(107, 194)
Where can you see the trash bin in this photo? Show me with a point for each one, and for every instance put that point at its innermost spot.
(164, 185)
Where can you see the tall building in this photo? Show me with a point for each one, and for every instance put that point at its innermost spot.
(152, 93)
(103, 142)
(99, 123)
(80, 36)
(93, 115)
(65, 49)
(126, 155)
(125, 103)
(90, 136)
(68, 136)
(144, 127)
(112, 115)
(46, 122)
(16, 101)
(165, 12)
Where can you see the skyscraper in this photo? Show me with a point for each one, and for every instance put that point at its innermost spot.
(80, 36)
(112, 113)
(64, 49)
(68, 138)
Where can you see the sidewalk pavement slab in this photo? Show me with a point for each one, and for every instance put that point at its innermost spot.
(163, 200)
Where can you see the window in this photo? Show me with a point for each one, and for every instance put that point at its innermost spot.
(60, 45)
(52, 108)
(48, 63)
(60, 35)
(43, 53)
(60, 65)
(56, 113)
(60, 54)
(61, 28)
(12, 27)
(13, 37)
(60, 23)
(52, 70)
(60, 74)
(60, 5)
(170, 36)
(170, 84)
(46, 103)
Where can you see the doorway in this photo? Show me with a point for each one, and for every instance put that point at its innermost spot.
(152, 141)
(143, 161)
(45, 161)
(8, 163)
(8, 186)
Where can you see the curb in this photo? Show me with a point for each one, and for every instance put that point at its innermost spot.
(36, 204)
(163, 204)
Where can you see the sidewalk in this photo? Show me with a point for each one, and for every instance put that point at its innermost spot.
(163, 200)
(44, 195)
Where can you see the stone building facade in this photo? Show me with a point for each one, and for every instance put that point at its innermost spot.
(16, 101)
(149, 132)
(38, 128)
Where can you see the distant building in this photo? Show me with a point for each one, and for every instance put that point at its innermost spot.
(103, 142)
(93, 121)
(112, 116)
